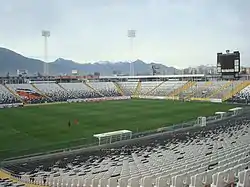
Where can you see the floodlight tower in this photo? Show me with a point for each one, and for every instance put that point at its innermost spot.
(131, 36)
(46, 35)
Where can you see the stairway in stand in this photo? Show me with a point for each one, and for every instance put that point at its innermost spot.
(62, 87)
(137, 91)
(118, 88)
(191, 93)
(157, 86)
(14, 94)
(5, 174)
(220, 89)
(40, 92)
(181, 89)
(96, 91)
(236, 90)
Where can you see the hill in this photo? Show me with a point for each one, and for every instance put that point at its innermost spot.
(10, 61)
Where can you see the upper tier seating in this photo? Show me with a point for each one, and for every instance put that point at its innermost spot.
(196, 159)
(79, 90)
(167, 87)
(54, 91)
(6, 97)
(107, 89)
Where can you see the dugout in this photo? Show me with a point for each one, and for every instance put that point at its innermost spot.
(221, 114)
(114, 136)
(236, 110)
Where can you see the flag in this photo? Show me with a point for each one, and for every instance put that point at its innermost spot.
(76, 122)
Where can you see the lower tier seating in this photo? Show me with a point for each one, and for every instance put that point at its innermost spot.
(214, 156)
(243, 96)
(53, 92)
(6, 97)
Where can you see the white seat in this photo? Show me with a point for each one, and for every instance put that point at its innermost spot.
(244, 179)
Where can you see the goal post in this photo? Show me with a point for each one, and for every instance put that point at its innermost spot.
(202, 121)
(114, 136)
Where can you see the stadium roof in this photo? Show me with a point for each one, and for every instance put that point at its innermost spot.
(151, 76)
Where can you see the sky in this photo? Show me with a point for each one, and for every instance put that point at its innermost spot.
(177, 33)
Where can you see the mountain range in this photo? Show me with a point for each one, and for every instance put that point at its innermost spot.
(10, 61)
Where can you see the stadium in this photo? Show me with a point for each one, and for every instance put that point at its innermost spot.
(159, 130)
(124, 93)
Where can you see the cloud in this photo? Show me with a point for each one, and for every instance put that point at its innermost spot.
(179, 33)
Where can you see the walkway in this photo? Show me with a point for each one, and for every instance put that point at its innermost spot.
(4, 175)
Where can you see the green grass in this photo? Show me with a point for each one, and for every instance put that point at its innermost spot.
(43, 128)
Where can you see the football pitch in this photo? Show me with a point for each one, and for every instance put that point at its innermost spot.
(44, 128)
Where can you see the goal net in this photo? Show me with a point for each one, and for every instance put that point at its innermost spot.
(202, 121)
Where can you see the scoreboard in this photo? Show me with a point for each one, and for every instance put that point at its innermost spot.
(228, 64)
